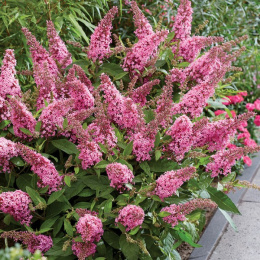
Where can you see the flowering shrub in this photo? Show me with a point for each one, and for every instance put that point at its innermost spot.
(116, 158)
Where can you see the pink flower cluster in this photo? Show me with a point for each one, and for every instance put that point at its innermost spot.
(178, 212)
(89, 153)
(122, 110)
(57, 48)
(253, 106)
(143, 27)
(139, 94)
(16, 203)
(102, 133)
(257, 120)
(43, 167)
(99, 47)
(21, 117)
(4, 110)
(130, 217)
(193, 102)
(53, 115)
(9, 85)
(233, 99)
(32, 241)
(119, 174)
(7, 151)
(168, 183)
(91, 229)
(83, 250)
(182, 23)
(181, 135)
(83, 99)
(190, 48)
(138, 56)
(223, 161)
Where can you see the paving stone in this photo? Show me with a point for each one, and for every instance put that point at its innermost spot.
(244, 244)
(252, 194)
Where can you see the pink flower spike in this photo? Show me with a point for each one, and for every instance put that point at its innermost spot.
(143, 27)
(183, 19)
(7, 151)
(9, 85)
(99, 47)
(43, 167)
(83, 250)
(57, 48)
(21, 117)
(168, 183)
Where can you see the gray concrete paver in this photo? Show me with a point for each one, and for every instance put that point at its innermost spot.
(244, 244)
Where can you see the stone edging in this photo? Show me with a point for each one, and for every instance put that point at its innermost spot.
(218, 223)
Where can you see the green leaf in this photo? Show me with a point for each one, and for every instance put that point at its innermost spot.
(96, 183)
(18, 161)
(148, 115)
(26, 131)
(158, 155)
(157, 139)
(86, 193)
(49, 223)
(67, 180)
(163, 214)
(145, 167)
(103, 148)
(56, 208)
(23, 181)
(36, 198)
(120, 75)
(65, 123)
(38, 126)
(128, 150)
(112, 239)
(112, 69)
(216, 104)
(229, 219)
(101, 165)
(163, 165)
(108, 206)
(134, 231)
(125, 163)
(183, 65)
(54, 196)
(65, 145)
(4, 123)
(170, 36)
(222, 200)
(68, 227)
(130, 250)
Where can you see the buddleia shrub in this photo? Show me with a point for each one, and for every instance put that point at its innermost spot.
(112, 157)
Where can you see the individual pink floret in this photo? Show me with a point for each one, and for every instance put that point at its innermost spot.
(131, 216)
(119, 174)
(16, 203)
